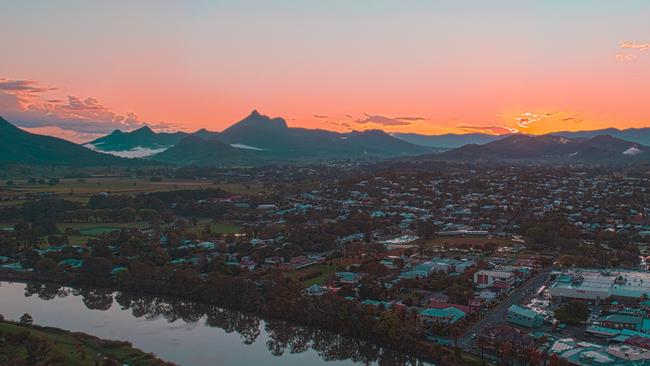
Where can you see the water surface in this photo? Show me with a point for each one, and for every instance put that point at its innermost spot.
(184, 332)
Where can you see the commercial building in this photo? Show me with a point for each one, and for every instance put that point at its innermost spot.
(486, 278)
(525, 317)
(595, 284)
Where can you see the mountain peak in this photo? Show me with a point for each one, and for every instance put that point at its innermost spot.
(144, 130)
(257, 120)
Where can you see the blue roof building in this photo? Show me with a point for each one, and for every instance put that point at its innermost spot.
(448, 315)
(525, 317)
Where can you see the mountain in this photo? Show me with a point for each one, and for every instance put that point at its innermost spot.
(260, 139)
(447, 141)
(137, 143)
(21, 147)
(196, 150)
(638, 135)
(552, 148)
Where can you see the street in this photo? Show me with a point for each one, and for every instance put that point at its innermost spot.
(498, 314)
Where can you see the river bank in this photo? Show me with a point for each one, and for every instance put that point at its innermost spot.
(48, 345)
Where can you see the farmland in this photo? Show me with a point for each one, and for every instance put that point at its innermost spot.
(16, 192)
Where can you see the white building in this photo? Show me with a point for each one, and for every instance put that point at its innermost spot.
(487, 278)
(596, 285)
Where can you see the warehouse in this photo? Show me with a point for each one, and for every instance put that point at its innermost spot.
(594, 285)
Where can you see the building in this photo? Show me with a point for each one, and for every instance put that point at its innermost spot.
(596, 285)
(347, 278)
(620, 321)
(525, 317)
(448, 315)
(315, 290)
(488, 278)
(422, 270)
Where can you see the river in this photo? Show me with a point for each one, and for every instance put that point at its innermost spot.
(187, 333)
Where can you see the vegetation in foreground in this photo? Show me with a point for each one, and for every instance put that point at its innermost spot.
(22, 343)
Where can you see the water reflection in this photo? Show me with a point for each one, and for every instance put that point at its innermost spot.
(281, 337)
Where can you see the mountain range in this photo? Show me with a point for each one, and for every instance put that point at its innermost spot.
(447, 141)
(601, 149)
(137, 143)
(452, 141)
(21, 147)
(260, 139)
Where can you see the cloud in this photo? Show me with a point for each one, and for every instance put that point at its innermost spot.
(625, 57)
(412, 119)
(388, 121)
(526, 118)
(320, 116)
(572, 119)
(634, 45)
(493, 130)
(26, 103)
(22, 86)
(344, 124)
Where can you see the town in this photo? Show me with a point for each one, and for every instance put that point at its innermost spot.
(516, 265)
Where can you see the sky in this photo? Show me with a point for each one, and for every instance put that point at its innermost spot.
(80, 69)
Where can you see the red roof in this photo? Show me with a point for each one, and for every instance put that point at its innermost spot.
(638, 341)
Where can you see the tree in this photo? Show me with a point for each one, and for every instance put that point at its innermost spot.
(572, 312)
(427, 229)
(37, 350)
(26, 319)
(46, 265)
(98, 267)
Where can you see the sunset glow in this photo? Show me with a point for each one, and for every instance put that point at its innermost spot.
(459, 66)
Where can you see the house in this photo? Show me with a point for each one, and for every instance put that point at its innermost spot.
(525, 317)
(71, 263)
(422, 270)
(449, 315)
(315, 290)
(378, 304)
(442, 305)
(348, 278)
(620, 321)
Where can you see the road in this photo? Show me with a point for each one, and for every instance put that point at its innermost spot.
(497, 314)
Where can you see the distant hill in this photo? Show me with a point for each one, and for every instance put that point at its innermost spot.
(21, 147)
(140, 142)
(196, 150)
(260, 139)
(638, 135)
(551, 148)
(447, 141)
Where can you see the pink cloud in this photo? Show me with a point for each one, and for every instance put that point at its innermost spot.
(27, 104)
(388, 121)
(493, 130)
(625, 57)
(634, 45)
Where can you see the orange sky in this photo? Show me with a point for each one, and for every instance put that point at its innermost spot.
(77, 69)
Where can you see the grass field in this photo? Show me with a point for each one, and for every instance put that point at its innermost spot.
(325, 269)
(82, 190)
(478, 242)
(98, 228)
(75, 348)
(216, 227)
